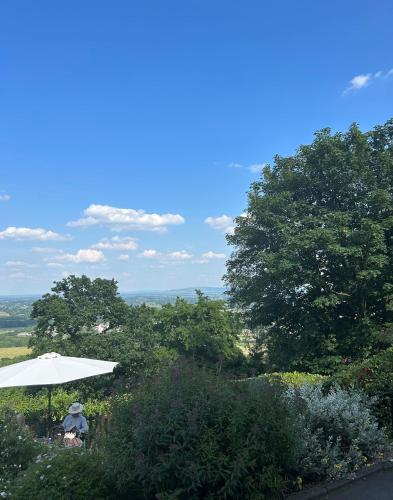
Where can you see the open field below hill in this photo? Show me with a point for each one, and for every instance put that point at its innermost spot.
(13, 352)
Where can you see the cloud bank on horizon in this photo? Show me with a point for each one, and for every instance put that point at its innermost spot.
(96, 258)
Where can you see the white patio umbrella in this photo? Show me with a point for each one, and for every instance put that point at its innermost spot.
(52, 369)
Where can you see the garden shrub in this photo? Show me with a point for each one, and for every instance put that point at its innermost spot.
(17, 449)
(374, 376)
(294, 379)
(339, 431)
(64, 474)
(188, 435)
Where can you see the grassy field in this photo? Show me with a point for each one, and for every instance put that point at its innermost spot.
(14, 337)
(12, 352)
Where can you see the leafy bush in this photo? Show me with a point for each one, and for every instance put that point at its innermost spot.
(206, 331)
(188, 435)
(339, 432)
(34, 406)
(17, 448)
(65, 474)
(374, 374)
(294, 379)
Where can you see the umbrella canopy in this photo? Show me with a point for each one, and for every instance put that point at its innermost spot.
(51, 369)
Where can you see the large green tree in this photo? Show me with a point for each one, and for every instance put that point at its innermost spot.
(78, 304)
(312, 265)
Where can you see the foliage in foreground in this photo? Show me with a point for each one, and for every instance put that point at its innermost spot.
(188, 434)
(17, 448)
(192, 436)
(374, 374)
(339, 431)
(63, 474)
(313, 260)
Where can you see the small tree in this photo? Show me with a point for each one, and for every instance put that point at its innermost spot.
(206, 331)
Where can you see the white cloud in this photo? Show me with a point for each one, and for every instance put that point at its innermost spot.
(179, 255)
(17, 263)
(363, 80)
(256, 168)
(213, 255)
(124, 257)
(223, 223)
(54, 264)
(116, 243)
(119, 219)
(46, 250)
(359, 82)
(149, 254)
(88, 255)
(208, 257)
(5, 197)
(27, 233)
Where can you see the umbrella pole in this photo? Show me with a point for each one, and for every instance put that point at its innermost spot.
(49, 407)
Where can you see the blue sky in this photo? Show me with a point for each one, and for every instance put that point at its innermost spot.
(114, 111)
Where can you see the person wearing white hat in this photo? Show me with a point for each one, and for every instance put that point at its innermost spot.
(75, 422)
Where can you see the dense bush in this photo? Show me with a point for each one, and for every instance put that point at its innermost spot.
(374, 374)
(339, 432)
(64, 474)
(190, 436)
(17, 449)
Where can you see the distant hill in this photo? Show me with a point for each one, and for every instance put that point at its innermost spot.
(16, 307)
(159, 297)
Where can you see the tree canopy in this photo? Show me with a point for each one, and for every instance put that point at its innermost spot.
(140, 338)
(206, 331)
(77, 304)
(312, 265)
